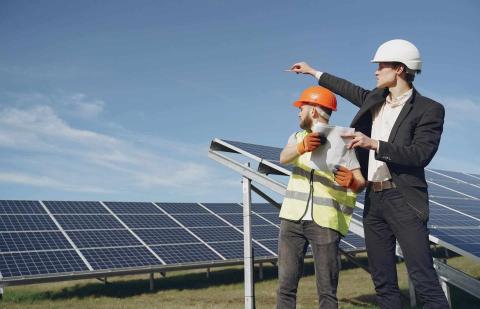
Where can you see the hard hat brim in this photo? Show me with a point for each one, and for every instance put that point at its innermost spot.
(300, 103)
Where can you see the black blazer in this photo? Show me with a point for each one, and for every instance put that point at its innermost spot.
(413, 141)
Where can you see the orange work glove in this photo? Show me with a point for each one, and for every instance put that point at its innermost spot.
(310, 142)
(344, 177)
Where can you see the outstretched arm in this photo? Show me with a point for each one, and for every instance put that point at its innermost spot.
(342, 87)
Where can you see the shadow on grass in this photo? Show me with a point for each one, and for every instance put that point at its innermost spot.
(127, 288)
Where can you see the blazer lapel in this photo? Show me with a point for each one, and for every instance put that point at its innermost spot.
(375, 99)
(403, 113)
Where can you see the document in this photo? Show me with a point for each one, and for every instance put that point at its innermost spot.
(334, 151)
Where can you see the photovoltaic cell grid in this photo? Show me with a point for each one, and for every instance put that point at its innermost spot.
(111, 235)
(269, 153)
(454, 202)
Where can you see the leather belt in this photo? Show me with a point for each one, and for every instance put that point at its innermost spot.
(378, 186)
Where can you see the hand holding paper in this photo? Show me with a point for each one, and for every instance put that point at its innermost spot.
(358, 139)
(310, 143)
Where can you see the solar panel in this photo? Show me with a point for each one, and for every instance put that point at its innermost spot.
(112, 258)
(26, 223)
(352, 242)
(132, 208)
(186, 253)
(136, 236)
(260, 232)
(466, 206)
(453, 195)
(21, 207)
(88, 222)
(224, 208)
(74, 207)
(32, 241)
(223, 233)
(448, 186)
(200, 220)
(166, 236)
(182, 208)
(271, 244)
(147, 221)
(40, 263)
(234, 249)
(237, 219)
(103, 238)
(272, 218)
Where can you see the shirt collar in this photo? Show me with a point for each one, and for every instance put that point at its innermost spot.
(400, 100)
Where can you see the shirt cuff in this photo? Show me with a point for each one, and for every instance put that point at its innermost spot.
(318, 75)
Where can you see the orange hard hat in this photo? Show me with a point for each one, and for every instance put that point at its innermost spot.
(318, 96)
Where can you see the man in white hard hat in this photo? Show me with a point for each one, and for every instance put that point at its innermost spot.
(397, 133)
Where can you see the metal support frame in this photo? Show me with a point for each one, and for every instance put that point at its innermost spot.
(247, 243)
(455, 277)
(152, 283)
(260, 271)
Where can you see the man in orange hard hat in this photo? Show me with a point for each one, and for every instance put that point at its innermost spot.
(318, 204)
(397, 134)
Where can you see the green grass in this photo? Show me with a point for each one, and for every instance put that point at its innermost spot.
(224, 289)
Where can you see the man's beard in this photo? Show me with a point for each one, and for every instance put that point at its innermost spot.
(306, 123)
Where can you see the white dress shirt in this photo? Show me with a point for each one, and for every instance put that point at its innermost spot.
(384, 118)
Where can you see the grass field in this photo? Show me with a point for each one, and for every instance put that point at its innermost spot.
(223, 289)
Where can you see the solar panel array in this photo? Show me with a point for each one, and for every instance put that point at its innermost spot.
(454, 201)
(41, 239)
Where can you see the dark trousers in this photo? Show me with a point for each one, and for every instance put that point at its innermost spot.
(293, 243)
(387, 218)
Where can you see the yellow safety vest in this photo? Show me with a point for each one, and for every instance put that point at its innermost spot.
(332, 204)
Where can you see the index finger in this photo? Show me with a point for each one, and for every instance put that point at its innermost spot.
(295, 66)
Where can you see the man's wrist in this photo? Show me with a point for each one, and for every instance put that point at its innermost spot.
(317, 74)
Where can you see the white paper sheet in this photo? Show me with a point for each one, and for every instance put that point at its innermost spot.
(334, 151)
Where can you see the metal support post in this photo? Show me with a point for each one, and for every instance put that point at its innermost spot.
(208, 272)
(247, 243)
(1, 293)
(260, 271)
(151, 282)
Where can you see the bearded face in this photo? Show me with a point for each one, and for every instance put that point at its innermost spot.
(306, 120)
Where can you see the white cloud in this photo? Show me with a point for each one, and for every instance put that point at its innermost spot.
(80, 105)
(46, 182)
(67, 158)
(460, 111)
(77, 105)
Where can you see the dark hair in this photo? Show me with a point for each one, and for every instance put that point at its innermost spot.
(326, 110)
(409, 77)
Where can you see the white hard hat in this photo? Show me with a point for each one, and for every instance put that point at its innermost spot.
(399, 51)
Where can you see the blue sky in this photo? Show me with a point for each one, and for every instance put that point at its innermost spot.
(119, 100)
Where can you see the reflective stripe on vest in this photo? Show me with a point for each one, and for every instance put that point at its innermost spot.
(332, 204)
